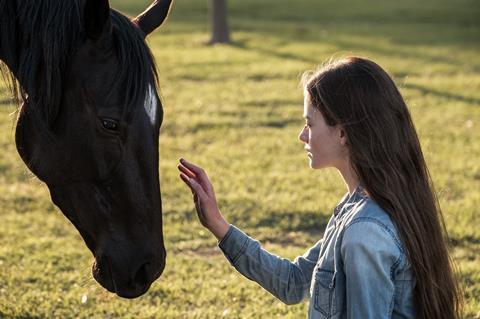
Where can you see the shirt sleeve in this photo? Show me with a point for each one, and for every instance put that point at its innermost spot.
(370, 254)
(288, 281)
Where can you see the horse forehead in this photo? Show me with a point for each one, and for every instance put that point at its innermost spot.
(151, 104)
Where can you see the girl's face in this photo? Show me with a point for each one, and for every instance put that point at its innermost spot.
(325, 144)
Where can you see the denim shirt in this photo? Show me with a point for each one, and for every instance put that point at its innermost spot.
(358, 270)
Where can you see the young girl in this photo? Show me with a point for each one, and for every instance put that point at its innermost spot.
(383, 254)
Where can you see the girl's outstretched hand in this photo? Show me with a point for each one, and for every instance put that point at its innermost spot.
(204, 198)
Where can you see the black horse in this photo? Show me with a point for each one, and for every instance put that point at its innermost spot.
(89, 125)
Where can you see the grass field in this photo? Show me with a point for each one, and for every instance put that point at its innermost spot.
(236, 110)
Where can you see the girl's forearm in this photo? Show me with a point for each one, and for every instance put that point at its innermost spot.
(218, 227)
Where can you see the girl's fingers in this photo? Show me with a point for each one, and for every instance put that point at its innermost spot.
(185, 180)
(194, 168)
(199, 173)
(185, 170)
(194, 186)
(197, 188)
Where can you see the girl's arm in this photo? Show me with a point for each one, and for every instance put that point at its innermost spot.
(286, 280)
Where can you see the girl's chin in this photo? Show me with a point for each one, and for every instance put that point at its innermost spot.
(314, 164)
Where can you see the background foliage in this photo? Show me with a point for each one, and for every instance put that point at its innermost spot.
(237, 109)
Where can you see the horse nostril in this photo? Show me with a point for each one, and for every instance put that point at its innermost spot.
(141, 277)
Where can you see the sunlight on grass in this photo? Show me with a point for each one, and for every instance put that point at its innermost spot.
(237, 109)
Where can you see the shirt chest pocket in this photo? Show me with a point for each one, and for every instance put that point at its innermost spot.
(324, 300)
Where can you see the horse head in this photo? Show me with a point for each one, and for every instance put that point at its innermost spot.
(89, 129)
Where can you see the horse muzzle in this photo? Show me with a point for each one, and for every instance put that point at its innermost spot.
(128, 276)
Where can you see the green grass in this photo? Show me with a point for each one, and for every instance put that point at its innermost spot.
(237, 109)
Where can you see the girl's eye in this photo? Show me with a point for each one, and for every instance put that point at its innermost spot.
(110, 124)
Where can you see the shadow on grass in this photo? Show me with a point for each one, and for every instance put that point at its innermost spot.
(457, 97)
(157, 294)
(291, 221)
(6, 102)
(467, 241)
(21, 316)
(469, 281)
(394, 49)
(276, 103)
(273, 123)
(357, 46)
(274, 53)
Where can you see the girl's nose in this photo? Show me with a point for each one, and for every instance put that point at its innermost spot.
(303, 136)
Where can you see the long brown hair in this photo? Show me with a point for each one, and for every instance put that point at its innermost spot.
(385, 153)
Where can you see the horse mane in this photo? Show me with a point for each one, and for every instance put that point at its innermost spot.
(49, 32)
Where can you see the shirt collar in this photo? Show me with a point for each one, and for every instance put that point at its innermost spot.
(349, 199)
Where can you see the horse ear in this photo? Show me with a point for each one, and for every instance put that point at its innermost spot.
(97, 18)
(153, 17)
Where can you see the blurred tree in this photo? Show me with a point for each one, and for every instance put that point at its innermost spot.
(219, 23)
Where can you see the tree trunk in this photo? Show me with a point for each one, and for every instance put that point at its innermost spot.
(219, 23)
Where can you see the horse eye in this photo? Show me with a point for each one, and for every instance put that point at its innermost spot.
(110, 125)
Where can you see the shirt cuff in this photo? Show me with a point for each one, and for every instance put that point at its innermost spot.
(234, 244)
